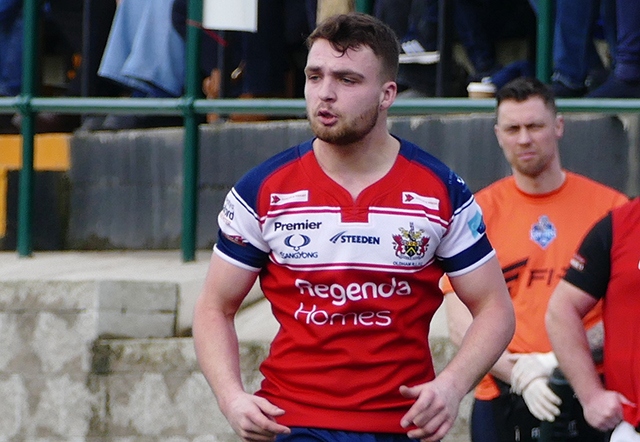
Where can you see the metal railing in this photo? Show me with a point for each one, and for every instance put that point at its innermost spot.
(191, 105)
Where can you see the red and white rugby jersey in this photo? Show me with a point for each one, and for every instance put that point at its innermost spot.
(353, 284)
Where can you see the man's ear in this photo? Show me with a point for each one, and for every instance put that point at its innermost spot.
(388, 94)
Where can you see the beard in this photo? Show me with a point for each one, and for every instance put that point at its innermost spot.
(348, 132)
(533, 169)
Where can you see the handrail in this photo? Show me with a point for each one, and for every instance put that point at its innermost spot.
(290, 107)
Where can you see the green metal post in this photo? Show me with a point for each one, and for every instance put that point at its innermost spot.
(544, 57)
(191, 134)
(31, 10)
(365, 6)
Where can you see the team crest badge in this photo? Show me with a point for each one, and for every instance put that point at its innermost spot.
(411, 244)
(543, 232)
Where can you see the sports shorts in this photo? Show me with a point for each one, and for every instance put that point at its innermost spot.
(302, 434)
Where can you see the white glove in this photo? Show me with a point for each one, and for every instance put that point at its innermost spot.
(529, 367)
(541, 401)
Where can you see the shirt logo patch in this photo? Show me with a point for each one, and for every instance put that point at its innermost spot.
(297, 242)
(278, 199)
(343, 238)
(476, 225)
(578, 262)
(543, 232)
(426, 201)
(410, 243)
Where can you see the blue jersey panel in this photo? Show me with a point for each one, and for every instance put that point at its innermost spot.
(249, 185)
(459, 193)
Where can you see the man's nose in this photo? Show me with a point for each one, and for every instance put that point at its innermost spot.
(326, 90)
(524, 137)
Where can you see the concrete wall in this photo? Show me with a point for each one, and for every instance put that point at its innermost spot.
(52, 382)
(61, 380)
(126, 187)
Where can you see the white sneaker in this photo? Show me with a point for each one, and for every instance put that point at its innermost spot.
(413, 52)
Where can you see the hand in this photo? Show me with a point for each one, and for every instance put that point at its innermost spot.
(541, 401)
(529, 367)
(604, 409)
(433, 412)
(253, 418)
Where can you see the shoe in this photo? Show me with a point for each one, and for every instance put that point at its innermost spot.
(479, 76)
(414, 52)
(560, 90)
(616, 88)
(516, 69)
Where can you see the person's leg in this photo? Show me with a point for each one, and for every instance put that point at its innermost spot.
(483, 424)
(470, 25)
(394, 13)
(610, 27)
(264, 52)
(423, 23)
(11, 36)
(157, 57)
(628, 48)
(574, 53)
(625, 81)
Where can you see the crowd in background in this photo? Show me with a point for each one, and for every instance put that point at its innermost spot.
(137, 48)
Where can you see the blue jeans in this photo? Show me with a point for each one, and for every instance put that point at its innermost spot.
(574, 53)
(394, 13)
(282, 26)
(11, 35)
(481, 23)
(144, 52)
(628, 51)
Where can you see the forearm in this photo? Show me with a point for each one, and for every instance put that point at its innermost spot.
(217, 351)
(573, 351)
(459, 321)
(483, 347)
(595, 338)
(503, 366)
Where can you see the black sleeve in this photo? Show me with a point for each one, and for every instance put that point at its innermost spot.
(590, 267)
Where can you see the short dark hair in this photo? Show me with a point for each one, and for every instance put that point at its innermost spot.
(523, 88)
(354, 30)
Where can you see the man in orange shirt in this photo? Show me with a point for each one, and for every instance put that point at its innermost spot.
(535, 219)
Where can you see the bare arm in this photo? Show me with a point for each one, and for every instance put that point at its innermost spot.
(567, 307)
(459, 320)
(484, 292)
(216, 343)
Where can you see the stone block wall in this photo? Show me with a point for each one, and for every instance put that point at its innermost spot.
(48, 330)
(61, 380)
(154, 391)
